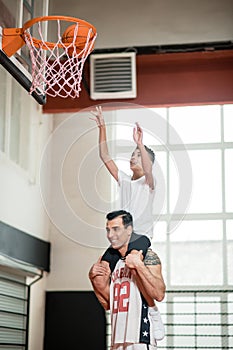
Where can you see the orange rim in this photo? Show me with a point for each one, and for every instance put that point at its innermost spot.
(38, 42)
(14, 38)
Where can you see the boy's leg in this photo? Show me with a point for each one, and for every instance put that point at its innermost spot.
(141, 243)
(111, 256)
(157, 323)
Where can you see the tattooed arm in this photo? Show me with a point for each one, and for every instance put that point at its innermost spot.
(148, 274)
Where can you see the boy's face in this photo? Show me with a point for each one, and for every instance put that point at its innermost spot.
(136, 160)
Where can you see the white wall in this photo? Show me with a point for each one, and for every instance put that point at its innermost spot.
(140, 23)
(21, 206)
(80, 199)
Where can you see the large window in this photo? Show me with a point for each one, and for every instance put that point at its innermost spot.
(193, 212)
(15, 121)
(202, 225)
(16, 106)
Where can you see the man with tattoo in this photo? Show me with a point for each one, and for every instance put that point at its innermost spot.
(129, 288)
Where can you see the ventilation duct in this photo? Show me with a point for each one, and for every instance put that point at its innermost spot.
(113, 76)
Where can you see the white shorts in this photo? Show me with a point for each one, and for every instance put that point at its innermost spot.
(134, 347)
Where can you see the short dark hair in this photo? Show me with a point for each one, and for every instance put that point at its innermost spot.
(127, 218)
(150, 152)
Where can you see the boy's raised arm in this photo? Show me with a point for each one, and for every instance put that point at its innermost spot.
(146, 161)
(103, 147)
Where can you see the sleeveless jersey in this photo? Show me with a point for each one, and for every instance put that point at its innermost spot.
(130, 319)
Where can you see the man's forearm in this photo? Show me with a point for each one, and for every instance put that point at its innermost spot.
(147, 273)
(149, 283)
(100, 286)
(99, 276)
(101, 296)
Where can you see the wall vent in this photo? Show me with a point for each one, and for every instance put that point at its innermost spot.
(113, 76)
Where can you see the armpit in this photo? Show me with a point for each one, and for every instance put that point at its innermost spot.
(152, 258)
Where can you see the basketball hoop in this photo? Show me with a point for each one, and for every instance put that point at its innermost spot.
(56, 66)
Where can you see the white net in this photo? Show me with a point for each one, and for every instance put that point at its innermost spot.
(57, 68)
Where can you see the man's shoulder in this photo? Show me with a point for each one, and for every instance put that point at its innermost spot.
(152, 258)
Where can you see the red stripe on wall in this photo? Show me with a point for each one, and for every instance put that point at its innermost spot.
(167, 79)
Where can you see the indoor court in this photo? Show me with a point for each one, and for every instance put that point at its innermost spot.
(167, 65)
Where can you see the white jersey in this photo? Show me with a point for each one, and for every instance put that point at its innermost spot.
(130, 319)
(137, 198)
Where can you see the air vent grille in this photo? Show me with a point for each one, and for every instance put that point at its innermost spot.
(113, 75)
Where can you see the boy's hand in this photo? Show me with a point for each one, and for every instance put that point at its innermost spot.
(100, 268)
(137, 134)
(99, 119)
(134, 259)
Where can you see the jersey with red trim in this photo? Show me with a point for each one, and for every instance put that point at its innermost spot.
(130, 319)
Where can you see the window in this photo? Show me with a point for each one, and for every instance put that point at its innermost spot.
(10, 13)
(15, 121)
(195, 238)
(15, 114)
(204, 134)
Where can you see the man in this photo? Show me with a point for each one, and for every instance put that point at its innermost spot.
(129, 289)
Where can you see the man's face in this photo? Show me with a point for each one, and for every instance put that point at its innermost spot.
(117, 234)
(136, 160)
